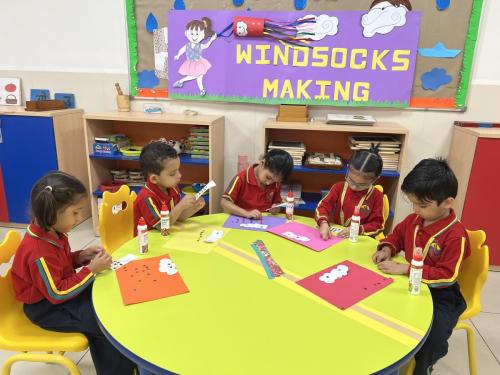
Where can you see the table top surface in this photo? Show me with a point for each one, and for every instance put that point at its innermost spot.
(235, 320)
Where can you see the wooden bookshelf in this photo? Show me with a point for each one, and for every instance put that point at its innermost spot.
(141, 128)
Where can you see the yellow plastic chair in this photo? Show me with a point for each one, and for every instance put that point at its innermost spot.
(385, 212)
(116, 218)
(471, 279)
(18, 334)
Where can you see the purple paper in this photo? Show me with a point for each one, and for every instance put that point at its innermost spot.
(304, 235)
(262, 225)
(347, 68)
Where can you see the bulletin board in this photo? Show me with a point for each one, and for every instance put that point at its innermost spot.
(440, 64)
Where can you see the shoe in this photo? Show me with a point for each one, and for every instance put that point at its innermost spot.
(178, 84)
(203, 92)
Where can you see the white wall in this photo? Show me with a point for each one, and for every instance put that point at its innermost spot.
(91, 55)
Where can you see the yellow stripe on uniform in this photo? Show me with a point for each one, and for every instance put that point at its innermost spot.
(232, 186)
(457, 268)
(53, 285)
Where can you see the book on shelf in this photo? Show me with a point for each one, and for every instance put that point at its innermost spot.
(295, 149)
(389, 148)
(343, 119)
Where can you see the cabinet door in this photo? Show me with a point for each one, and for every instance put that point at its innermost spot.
(27, 152)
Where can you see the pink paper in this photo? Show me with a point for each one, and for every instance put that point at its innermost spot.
(313, 242)
(348, 290)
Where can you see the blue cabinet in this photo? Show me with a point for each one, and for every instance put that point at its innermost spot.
(27, 152)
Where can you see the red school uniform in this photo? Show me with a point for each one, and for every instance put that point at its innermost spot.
(149, 201)
(44, 268)
(245, 192)
(338, 207)
(445, 245)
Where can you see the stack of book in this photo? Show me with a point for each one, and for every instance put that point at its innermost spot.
(389, 148)
(295, 149)
(198, 141)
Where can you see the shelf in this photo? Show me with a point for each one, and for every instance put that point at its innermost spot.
(185, 158)
(343, 170)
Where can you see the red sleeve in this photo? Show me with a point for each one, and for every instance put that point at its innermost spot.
(325, 207)
(277, 194)
(74, 257)
(446, 271)
(396, 239)
(148, 209)
(176, 197)
(233, 189)
(373, 224)
(47, 276)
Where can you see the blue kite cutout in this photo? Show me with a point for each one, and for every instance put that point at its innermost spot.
(148, 79)
(300, 4)
(179, 5)
(434, 79)
(151, 23)
(238, 3)
(439, 50)
(442, 4)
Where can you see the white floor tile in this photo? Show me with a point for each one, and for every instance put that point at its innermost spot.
(488, 326)
(81, 235)
(489, 295)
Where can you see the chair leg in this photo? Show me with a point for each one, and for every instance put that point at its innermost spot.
(411, 367)
(31, 357)
(471, 345)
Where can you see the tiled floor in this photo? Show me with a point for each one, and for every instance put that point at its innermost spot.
(486, 324)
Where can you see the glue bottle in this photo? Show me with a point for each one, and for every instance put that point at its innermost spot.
(165, 219)
(142, 236)
(290, 201)
(354, 228)
(416, 269)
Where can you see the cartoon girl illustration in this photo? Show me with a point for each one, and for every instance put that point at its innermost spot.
(195, 66)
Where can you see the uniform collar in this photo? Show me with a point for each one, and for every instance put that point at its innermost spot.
(35, 231)
(164, 197)
(251, 178)
(439, 225)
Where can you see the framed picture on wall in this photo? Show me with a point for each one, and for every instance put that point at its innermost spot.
(10, 91)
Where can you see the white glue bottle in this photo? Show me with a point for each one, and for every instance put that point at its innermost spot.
(416, 269)
(164, 220)
(354, 228)
(290, 202)
(142, 236)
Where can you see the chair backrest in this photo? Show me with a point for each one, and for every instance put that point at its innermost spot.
(386, 202)
(474, 272)
(116, 218)
(8, 302)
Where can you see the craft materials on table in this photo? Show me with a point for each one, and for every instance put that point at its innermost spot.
(344, 284)
(263, 224)
(304, 235)
(149, 279)
(270, 266)
(193, 237)
(205, 188)
(116, 264)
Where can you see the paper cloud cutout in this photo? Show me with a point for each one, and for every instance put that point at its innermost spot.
(324, 25)
(329, 277)
(148, 79)
(254, 225)
(296, 237)
(383, 18)
(167, 266)
(214, 236)
(439, 50)
(434, 79)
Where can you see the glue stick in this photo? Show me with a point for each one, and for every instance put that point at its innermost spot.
(142, 236)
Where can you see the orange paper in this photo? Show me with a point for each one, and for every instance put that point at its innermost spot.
(149, 279)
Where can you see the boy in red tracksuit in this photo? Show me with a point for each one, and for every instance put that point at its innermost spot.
(431, 187)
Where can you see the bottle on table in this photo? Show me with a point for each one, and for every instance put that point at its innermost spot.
(290, 203)
(164, 219)
(416, 269)
(142, 236)
(354, 228)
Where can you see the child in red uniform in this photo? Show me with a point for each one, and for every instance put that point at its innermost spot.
(338, 205)
(160, 165)
(56, 297)
(431, 187)
(258, 188)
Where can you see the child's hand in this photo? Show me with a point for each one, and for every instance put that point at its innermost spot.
(101, 262)
(344, 233)
(393, 268)
(199, 204)
(383, 254)
(89, 253)
(188, 201)
(274, 210)
(324, 231)
(254, 214)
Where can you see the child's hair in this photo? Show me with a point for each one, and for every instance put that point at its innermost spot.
(396, 3)
(367, 161)
(279, 162)
(51, 193)
(152, 156)
(205, 24)
(431, 180)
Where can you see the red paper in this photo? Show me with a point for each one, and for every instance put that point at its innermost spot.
(348, 290)
(141, 281)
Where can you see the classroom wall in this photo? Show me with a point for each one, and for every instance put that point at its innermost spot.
(82, 50)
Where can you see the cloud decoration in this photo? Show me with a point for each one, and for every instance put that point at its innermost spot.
(323, 26)
(383, 18)
(434, 79)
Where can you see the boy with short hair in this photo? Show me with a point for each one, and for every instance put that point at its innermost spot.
(431, 187)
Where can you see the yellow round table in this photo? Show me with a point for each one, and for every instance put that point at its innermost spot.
(236, 321)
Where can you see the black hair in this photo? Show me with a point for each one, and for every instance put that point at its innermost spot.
(51, 193)
(279, 162)
(368, 161)
(431, 180)
(152, 156)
